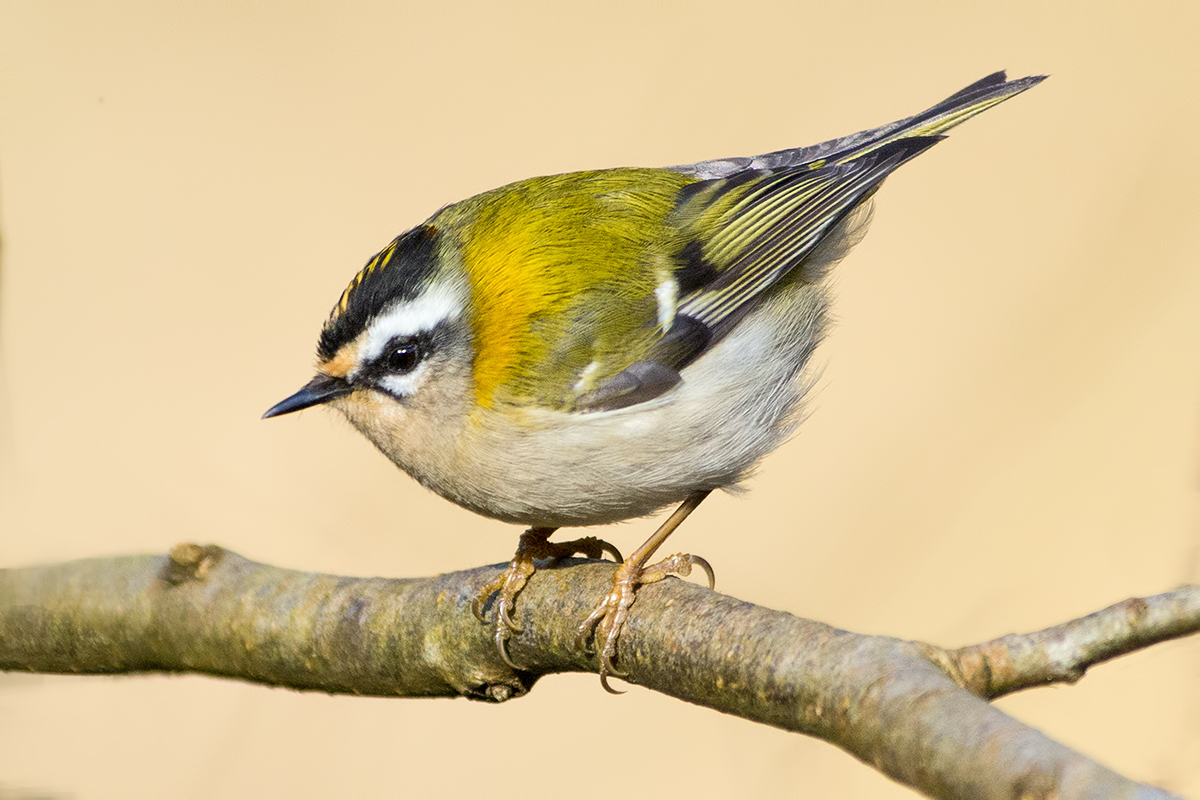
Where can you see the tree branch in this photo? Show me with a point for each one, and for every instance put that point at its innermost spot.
(1063, 653)
(912, 710)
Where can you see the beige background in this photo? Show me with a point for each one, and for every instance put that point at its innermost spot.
(1005, 435)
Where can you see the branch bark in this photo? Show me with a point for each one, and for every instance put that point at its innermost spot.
(915, 711)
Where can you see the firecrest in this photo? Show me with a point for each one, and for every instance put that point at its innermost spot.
(579, 349)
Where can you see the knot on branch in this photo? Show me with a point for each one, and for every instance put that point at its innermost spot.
(188, 561)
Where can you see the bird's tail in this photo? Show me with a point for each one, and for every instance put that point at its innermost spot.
(954, 110)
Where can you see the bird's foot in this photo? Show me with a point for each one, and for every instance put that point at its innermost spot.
(609, 617)
(534, 544)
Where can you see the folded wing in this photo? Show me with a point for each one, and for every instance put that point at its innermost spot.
(747, 223)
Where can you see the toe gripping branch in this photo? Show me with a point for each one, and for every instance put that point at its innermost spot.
(608, 618)
(605, 622)
(534, 544)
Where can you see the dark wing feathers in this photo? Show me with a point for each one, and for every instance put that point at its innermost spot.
(768, 232)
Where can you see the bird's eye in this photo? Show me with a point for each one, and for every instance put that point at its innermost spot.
(403, 357)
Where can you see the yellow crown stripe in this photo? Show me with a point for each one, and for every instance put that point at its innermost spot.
(379, 258)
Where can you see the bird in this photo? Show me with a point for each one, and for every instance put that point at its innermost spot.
(580, 349)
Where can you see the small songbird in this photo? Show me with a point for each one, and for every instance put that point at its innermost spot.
(579, 349)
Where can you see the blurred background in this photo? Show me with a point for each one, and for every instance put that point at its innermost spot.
(1006, 433)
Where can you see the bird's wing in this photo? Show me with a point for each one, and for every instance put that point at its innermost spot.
(738, 236)
(746, 223)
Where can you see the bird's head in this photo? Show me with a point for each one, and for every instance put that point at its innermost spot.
(395, 355)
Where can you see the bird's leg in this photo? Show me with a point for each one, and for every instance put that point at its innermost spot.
(534, 544)
(609, 617)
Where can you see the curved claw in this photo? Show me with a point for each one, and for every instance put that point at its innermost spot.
(607, 667)
(505, 627)
(501, 639)
(606, 621)
(606, 547)
(477, 608)
(609, 617)
(507, 621)
(708, 570)
(588, 547)
(607, 688)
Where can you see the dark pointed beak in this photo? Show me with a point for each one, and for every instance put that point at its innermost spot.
(320, 389)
